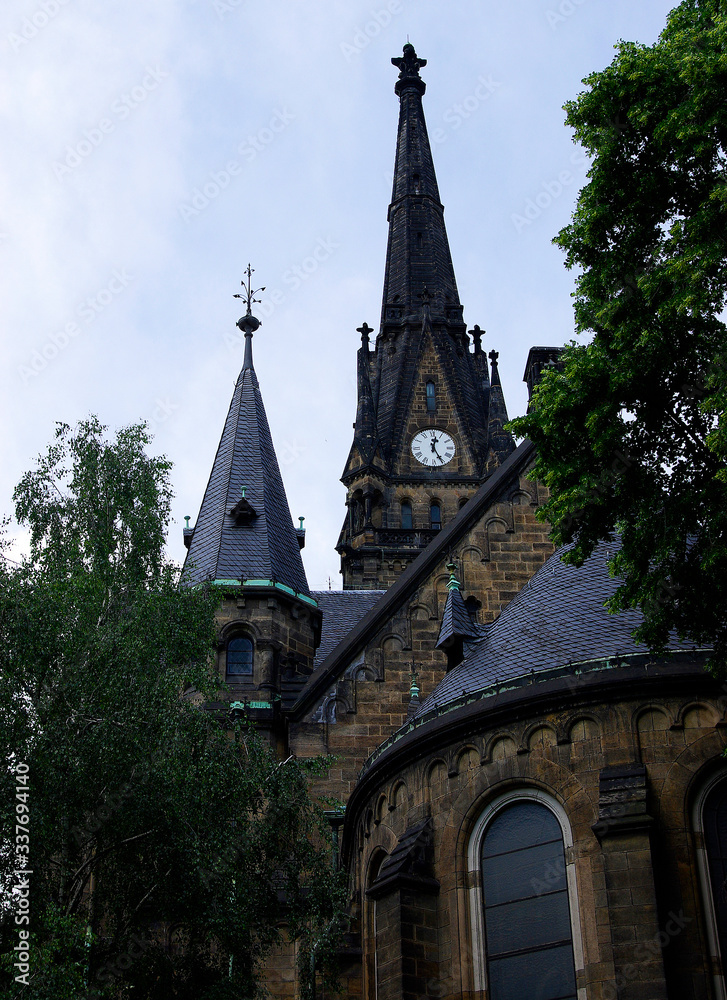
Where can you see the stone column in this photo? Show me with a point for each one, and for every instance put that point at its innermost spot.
(624, 828)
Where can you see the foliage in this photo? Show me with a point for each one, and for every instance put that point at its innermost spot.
(176, 845)
(632, 433)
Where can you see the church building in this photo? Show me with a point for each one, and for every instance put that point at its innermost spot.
(532, 805)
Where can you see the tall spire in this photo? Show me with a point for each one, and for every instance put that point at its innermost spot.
(418, 254)
(244, 529)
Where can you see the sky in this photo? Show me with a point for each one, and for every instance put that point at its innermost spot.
(150, 150)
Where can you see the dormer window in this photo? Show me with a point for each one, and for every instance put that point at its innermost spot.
(420, 241)
(416, 184)
(431, 397)
(239, 657)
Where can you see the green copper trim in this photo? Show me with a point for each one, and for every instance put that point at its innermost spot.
(266, 583)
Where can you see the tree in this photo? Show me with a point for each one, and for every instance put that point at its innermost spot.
(631, 430)
(165, 848)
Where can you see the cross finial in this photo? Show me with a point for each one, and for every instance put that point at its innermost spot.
(493, 356)
(409, 65)
(250, 293)
(365, 330)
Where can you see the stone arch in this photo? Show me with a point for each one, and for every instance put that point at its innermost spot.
(386, 643)
(520, 498)
(496, 519)
(582, 727)
(380, 809)
(651, 718)
(698, 715)
(538, 736)
(435, 773)
(398, 794)
(334, 706)
(464, 759)
(427, 615)
(499, 746)
(239, 626)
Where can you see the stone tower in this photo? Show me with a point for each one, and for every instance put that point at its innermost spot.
(430, 417)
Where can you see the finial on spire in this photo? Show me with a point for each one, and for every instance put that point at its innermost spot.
(248, 323)
(365, 330)
(476, 333)
(409, 65)
(453, 583)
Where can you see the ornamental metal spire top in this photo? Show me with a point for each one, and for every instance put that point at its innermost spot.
(249, 323)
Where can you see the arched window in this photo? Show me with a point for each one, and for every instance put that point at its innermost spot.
(431, 397)
(407, 521)
(435, 516)
(239, 657)
(526, 939)
(710, 819)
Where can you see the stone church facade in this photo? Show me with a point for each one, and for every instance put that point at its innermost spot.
(534, 805)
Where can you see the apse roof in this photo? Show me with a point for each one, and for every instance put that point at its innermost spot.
(557, 619)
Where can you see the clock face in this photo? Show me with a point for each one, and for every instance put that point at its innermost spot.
(432, 447)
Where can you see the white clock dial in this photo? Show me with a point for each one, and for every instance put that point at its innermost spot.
(432, 447)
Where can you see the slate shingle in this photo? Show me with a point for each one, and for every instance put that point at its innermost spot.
(267, 546)
(557, 619)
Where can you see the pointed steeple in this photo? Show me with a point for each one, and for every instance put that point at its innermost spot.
(501, 441)
(457, 627)
(244, 529)
(418, 254)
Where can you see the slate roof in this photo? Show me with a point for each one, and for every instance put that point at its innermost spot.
(500, 484)
(342, 610)
(266, 546)
(557, 619)
(456, 621)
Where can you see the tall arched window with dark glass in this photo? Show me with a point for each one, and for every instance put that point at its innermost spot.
(239, 657)
(715, 844)
(435, 516)
(407, 520)
(431, 397)
(527, 915)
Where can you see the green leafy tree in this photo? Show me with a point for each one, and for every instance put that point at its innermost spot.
(632, 433)
(166, 849)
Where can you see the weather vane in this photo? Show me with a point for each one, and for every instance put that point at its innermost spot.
(250, 293)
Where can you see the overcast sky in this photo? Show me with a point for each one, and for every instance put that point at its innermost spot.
(150, 148)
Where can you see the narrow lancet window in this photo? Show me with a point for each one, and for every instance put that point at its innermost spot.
(435, 517)
(406, 515)
(431, 397)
